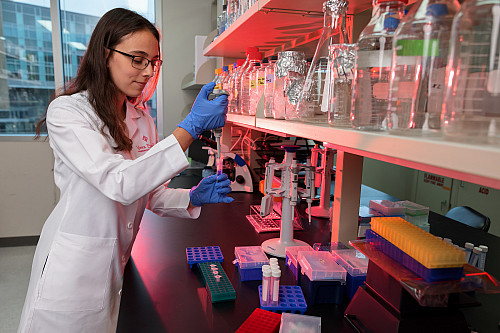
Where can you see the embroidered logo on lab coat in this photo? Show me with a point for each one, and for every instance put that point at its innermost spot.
(144, 138)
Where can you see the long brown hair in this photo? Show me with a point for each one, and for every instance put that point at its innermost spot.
(93, 75)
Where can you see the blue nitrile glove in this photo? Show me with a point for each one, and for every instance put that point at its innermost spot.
(211, 189)
(205, 114)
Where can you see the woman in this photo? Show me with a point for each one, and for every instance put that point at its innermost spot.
(109, 167)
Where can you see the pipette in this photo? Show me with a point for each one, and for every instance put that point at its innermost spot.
(217, 132)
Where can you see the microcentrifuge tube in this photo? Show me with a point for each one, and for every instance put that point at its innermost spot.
(482, 257)
(468, 251)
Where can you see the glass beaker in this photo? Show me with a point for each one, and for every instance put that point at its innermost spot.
(343, 61)
(313, 102)
(289, 71)
(471, 110)
(419, 59)
(370, 92)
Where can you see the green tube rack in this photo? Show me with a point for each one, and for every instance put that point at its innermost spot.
(217, 291)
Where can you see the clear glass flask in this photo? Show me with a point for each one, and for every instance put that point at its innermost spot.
(342, 62)
(370, 92)
(471, 110)
(419, 59)
(290, 70)
(313, 101)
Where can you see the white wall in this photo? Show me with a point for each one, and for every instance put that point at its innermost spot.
(182, 21)
(27, 190)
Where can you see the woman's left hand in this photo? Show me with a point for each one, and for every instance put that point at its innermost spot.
(212, 189)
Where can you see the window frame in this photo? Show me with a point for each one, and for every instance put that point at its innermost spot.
(57, 49)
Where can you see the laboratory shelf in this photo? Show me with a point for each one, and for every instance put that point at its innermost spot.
(468, 162)
(274, 26)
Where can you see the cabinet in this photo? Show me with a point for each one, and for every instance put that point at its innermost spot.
(270, 21)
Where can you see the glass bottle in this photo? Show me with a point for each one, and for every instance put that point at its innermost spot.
(260, 81)
(253, 90)
(244, 96)
(290, 70)
(313, 101)
(269, 87)
(419, 59)
(241, 70)
(471, 104)
(233, 95)
(342, 61)
(370, 92)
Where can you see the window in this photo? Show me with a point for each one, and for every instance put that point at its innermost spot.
(27, 54)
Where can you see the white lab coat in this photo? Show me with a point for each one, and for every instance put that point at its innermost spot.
(77, 271)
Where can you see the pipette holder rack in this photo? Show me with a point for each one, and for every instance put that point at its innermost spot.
(322, 179)
(289, 192)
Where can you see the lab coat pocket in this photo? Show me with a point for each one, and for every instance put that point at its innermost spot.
(77, 273)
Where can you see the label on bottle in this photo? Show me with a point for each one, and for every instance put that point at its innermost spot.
(406, 89)
(379, 58)
(252, 84)
(269, 78)
(417, 47)
(261, 81)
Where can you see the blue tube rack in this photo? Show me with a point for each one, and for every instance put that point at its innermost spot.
(291, 299)
(196, 255)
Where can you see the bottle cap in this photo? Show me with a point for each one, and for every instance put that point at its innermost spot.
(265, 60)
(273, 57)
(391, 23)
(477, 250)
(240, 62)
(251, 49)
(276, 273)
(403, 1)
(225, 68)
(437, 10)
(255, 56)
(469, 245)
(483, 248)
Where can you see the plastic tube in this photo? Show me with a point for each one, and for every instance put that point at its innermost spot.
(468, 251)
(275, 290)
(474, 259)
(482, 257)
(266, 283)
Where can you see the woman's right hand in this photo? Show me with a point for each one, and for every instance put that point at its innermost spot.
(205, 114)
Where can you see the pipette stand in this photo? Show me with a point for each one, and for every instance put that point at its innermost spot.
(288, 190)
(323, 180)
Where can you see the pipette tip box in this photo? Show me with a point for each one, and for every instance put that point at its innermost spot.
(262, 321)
(291, 299)
(356, 265)
(428, 274)
(196, 255)
(321, 278)
(249, 260)
(291, 254)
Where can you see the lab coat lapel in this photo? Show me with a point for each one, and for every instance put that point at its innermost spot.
(131, 120)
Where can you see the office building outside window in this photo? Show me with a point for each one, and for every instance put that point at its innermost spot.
(27, 79)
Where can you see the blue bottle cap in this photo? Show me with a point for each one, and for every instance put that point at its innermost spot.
(391, 23)
(437, 10)
(225, 68)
